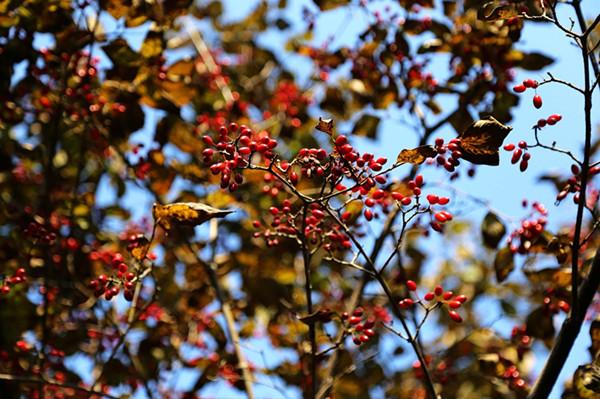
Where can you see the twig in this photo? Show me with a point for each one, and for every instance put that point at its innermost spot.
(226, 309)
(312, 335)
(209, 61)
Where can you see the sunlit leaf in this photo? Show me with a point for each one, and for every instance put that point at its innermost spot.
(153, 44)
(185, 213)
(416, 156)
(497, 10)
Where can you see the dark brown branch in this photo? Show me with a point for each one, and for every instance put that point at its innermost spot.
(567, 335)
(312, 335)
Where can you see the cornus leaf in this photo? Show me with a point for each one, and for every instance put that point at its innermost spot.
(185, 213)
(325, 126)
(480, 142)
(416, 156)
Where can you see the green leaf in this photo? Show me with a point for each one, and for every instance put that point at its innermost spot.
(492, 230)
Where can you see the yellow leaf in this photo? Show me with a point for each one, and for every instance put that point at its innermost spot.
(185, 213)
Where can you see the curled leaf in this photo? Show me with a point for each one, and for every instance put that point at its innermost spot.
(481, 141)
(416, 156)
(185, 213)
(325, 125)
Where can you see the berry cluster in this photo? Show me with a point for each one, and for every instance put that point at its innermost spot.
(111, 286)
(440, 296)
(288, 98)
(40, 233)
(551, 120)
(442, 372)
(233, 150)
(359, 325)
(554, 301)
(519, 154)
(17, 278)
(530, 229)
(573, 184)
(514, 379)
(453, 148)
(521, 339)
(530, 84)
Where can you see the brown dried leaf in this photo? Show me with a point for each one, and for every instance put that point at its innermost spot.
(416, 156)
(480, 142)
(325, 126)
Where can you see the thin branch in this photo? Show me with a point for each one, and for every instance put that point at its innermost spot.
(226, 309)
(570, 85)
(306, 257)
(208, 60)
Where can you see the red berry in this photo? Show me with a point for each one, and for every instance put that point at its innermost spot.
(432, 199)
(541, 123)
(354, 320)
(519, 88)
(509, 147)
(461, 298)
(411, 285)
(530, 83)
(341, 140)
(537, 101)
(564, 306)
(429, 296)
(523, 165)
(454, 304)
(455, 316)
(447, 295)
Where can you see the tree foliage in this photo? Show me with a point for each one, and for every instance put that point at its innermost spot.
(329, 267)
